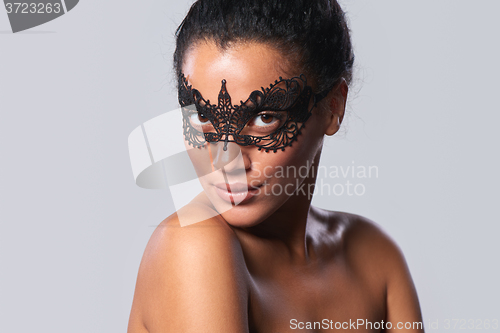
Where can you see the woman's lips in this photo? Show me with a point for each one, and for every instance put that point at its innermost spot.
(236, 193)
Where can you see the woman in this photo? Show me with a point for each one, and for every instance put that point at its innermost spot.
(272, 262)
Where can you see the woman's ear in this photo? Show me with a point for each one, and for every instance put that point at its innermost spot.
(336, 107)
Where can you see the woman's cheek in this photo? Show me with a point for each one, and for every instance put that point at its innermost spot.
(256, 168)
(268, 171)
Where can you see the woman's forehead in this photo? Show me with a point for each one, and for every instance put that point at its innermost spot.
(246, 67)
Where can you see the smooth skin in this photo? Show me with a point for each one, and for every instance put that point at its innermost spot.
(274, 258)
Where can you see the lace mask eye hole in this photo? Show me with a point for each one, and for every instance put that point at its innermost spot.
(265, 119)
(201, 118)
(265, 123)
(199, 122)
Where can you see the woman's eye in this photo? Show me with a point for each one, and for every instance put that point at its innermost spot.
(265, 123)
(200, 123)
(198, 119)
(265, 120)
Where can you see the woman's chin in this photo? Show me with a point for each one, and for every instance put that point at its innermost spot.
(243, 216)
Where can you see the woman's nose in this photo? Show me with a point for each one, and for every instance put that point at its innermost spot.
(228, 156)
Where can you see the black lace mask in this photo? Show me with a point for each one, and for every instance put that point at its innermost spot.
(270, 119)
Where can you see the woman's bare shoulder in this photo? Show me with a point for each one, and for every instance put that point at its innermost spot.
(375, 255)
(365, 243)
(198, 228)
(192, 278)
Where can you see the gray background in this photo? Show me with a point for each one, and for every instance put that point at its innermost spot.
(73, 225)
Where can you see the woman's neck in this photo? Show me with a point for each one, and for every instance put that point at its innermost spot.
(288, 225)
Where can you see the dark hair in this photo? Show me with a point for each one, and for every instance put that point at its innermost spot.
(315, 31)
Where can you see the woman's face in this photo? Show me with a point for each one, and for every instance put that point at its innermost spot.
(270, 177)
